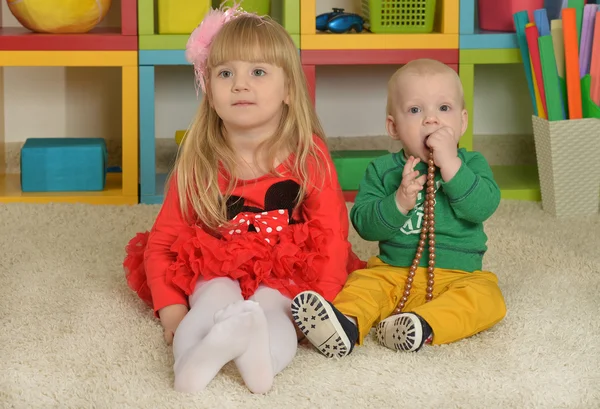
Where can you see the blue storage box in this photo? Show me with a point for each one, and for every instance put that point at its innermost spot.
(63, 164)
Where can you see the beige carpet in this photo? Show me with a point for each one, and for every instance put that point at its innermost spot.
(74, 336)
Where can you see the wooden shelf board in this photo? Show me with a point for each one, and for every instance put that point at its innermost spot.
(159, 189)
(177, 41)
(515, 182)
(68, 58)
(370, 41)
(100, 38)
(482, 39)
(490, 56)
(371, 57)
(162, 57)
(10, 192)
(163, 41)
(518, 182)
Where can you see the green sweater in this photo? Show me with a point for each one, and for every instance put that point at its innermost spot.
(462, 205)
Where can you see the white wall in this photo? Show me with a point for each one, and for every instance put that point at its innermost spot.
(59, 102)
(85, 102)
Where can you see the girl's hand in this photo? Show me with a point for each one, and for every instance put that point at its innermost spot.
(412, 184)
(170, 317)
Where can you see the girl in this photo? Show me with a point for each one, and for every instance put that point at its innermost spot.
(253, 212)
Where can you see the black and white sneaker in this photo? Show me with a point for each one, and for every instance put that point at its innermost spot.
(403, 332)
(324, 326)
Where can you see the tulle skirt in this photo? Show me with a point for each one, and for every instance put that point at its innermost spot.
(290, 261)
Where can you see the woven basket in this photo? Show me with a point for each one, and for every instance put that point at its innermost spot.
(568, 166)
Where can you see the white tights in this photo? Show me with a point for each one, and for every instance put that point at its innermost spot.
(257, 334)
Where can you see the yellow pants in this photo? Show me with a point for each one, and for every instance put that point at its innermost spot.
(463, 304)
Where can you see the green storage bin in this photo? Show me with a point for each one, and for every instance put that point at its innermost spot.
(351, 165)
(399, 16)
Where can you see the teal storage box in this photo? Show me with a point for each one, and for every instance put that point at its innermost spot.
(63, 164)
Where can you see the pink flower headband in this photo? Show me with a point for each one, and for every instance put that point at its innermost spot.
(198, 44)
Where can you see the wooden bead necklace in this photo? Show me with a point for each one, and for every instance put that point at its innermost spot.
(427, 236)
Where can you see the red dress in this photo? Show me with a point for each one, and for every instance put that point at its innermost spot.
(269, 243)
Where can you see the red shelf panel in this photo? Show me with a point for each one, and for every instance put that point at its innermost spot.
(21, 39)
(314, 58)
(129, 18)
(375, 57)
(122, 38)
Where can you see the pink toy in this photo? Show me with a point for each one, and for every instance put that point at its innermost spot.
(201, 38)
(497, 15)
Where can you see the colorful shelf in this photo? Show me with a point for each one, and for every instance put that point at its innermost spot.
(516, 182)
(287, 13)
(137, 47)
(313, 58)
(471, 37)
(445, 35)
(168, 49)
(123, 38)
(151, 183)
(120, 188)
(68, 58)
(10, 192)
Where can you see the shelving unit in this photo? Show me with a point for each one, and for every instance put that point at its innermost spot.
(169, 49)
(99, 48)
(123, 38)
(444, 36)
(366, 48)
(287, 14)
(138, 48)
(471, 37)
(516, 182)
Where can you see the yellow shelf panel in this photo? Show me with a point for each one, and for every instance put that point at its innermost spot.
(68, 58)
(10, 192)
(370, 41)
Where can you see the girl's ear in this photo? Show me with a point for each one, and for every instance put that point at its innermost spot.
(286, 98)
(208, 95)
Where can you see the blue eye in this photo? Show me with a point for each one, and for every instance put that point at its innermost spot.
(415, 110)
(258, 72)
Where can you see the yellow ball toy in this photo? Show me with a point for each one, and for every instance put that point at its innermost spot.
(59, 16)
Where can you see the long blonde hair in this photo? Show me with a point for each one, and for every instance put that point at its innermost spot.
(204, 148)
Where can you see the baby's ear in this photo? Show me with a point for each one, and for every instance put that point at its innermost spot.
(390, 126)
(465, 122)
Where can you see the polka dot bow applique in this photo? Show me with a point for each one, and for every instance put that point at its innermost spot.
(265, 223)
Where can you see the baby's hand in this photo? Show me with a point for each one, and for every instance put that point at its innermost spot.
(443, 144)
(170, 317)
(406, 195)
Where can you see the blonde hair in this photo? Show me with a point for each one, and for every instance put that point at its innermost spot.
(422, 66)
(204, 149)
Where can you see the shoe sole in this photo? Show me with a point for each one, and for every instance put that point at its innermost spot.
(316, 319)
(403, 332)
